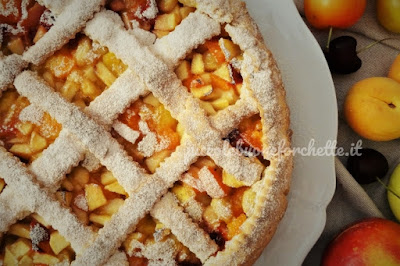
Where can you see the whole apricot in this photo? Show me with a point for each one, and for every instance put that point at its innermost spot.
(372, 108)
(394, 72)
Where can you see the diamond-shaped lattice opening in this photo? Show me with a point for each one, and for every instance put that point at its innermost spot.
(81, 70)
(92, 196)
(25, 130)
(214, 199)
(153, 242)
(148, 132)
(247, 138)
(211, 73)
(32, 241)
(22, 31)
(160, 17)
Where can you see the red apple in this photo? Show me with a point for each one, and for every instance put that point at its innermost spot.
(370, 242)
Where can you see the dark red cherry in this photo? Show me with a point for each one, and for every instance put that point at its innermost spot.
(342, 55)
(367, 166)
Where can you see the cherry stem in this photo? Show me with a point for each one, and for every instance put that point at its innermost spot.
(374, 43)
(329, 38)
(387, 188)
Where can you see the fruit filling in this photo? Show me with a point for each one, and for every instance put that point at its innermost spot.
(24, 130)
(158, 16)
(210, 74)
(216, 200)
(2, 185)
(81, 70)
(32, 241)
(92, 196)
(247, 138)
(152, 239)
(148, 132)
(22, 23)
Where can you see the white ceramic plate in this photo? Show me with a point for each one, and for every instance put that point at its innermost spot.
(312, 100)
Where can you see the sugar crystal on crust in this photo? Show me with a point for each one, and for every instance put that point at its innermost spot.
(37, 234)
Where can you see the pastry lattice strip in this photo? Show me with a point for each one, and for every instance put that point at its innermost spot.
(94, 136)
(10, 209)
(165, 86)
(69, 22)
(104, 109)
(37, 90)
(176, 219)
(20, 183)
(164, 171)
(173, 47)
(10, 67)
(72, 17)
(169, 171)
(51, 156)
(62, 162)
(72, 152)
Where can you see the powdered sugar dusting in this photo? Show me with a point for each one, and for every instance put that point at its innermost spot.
(51, 167)
(210, 184)
(161, 253)
(93, 136)
(69, 22)
(8, 8)
(224, 50)
(135, 248)
(174, 47)
(195, 210)
(91, 163)
(126, 132)
(10, 67)
(28, 197)
(56, 6)
(149, 13)
(226, 120)
(181, 104)
(47, 18)
(37, 234)
(166, 174)
(193, 182)
(81, 203)
(149, 142)
(144, 37)
(118, 259)
(31, 114)
(158, 253)
(106, 107)
(171, 215)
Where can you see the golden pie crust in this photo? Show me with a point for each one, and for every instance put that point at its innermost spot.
(91, 133)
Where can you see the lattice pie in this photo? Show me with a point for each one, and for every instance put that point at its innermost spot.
(138, 132)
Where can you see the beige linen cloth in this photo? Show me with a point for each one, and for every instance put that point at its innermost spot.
(351, 201)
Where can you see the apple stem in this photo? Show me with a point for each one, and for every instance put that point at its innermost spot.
(329, 38)
(374, 43)
(387, 188)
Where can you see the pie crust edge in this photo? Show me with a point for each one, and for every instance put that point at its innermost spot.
(271, 201)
